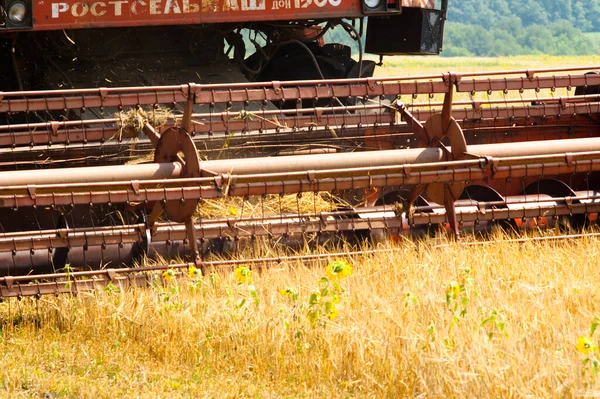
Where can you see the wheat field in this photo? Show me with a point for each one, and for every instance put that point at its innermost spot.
(427, 66)
(432, 65)
(416, 320)
(419, 319)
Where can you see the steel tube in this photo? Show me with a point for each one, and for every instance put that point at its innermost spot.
(392, 157)
(85, 195)
(265, 165)
(177, 189)
(91, 174)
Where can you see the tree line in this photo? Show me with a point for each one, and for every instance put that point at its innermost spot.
(515, 27)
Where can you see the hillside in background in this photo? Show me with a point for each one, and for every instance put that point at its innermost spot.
(495, 28)
(516, 27)
(585, 14)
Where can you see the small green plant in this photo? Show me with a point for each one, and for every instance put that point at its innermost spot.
(253, 295)
(243, 276)
(168, 275)
(111, 288)
(290, 293)
(195, 276)
(67, 270)
(410, 300)
(432, 332)
(588, 350)
(169, 298)
(323, 305)
(458, 295)
(494, 324)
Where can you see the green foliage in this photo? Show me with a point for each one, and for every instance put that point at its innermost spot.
(458, 295)
(520, 27)
(322, 305)
(511, 38)
(494, 324)
(583, 14)
(588, 350)
(513, 27)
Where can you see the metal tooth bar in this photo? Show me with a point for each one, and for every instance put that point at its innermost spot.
(517, 112)
(28, 241)
(307, 123)
(78, 282)
(469, 174)
(67, 238)
(207, 95)
(375, 221)
(61, 238)
(310, 124)
(378, 222)
(578, 121)
(313, 112)
(536, 82)
(280, 91)
(104, 91)
(75, 286)
(348, 139)
(294, 178)
(21, 286)
(62, 136)
(370, 222)
(51, 127)
(497, 102)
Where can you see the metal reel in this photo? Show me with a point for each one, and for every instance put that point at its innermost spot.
(175, 145)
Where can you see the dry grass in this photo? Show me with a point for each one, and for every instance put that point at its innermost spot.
(412, 66)
(421, 66)
(132, 122)
(270, 205)
(394, 335)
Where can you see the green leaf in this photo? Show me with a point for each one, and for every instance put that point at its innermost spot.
(484, 322)
(240, 303)
(252, 290)
(314, 299)
(595, 325)
(313, 316)
(254, 294)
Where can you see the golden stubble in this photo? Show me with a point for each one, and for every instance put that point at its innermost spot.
(396, 332)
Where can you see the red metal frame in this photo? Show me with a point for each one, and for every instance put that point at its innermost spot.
(73, 14)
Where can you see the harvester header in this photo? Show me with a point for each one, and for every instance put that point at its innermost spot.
(138, 131)
(190, 171)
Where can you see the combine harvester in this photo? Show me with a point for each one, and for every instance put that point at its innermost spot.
(79, 210)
